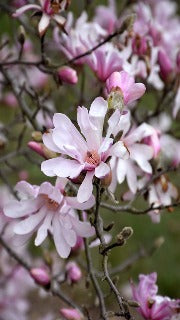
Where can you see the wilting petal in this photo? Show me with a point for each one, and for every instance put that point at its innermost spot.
(86, 187)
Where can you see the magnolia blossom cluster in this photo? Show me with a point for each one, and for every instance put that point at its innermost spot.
(108, 143)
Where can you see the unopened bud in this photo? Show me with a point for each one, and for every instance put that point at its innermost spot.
(79, 245)
(120, 239)
(21, 35)
(48, 154)
(74, 273)
(127, 232)
(41, 276)
(106, 181)
(71, 314)
(133, 304)
(37, 147)
(68, 75)
(165, 65)
(37, 136)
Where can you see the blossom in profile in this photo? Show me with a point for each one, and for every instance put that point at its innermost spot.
(46, 208)
(49, 10)
(152, 305)
(127, 86)
(87, 155)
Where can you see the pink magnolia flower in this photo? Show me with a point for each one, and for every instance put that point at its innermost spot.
(152, 306)
(109, 12)
(83, 36)
(73, 271)
(138, 154)
(87, 156)
(71, 314)
(49, 9)
(122, 81)
(104, 61)
(45, 208)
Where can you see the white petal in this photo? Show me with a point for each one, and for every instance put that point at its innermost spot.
(43, 24)
(86, 187)
(49, 143)
(141, 153)
(29, 224)
(62, 246)
(119, 150)
(21, 10)
(18, 209)
(121, 170)
(83, 229)
(102, 170)
(73, 202)
(43, 230)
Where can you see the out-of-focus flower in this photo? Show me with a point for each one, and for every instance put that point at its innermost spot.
(68, 75)
(125, 83)
(109, 12)
(88, 156)
(154, 141)
(44, 209)
(165, 64)
(152, 306)
(40, 275)
(73, 271)
(139, 154)
(80, 38)
(5, 197)
(49, 9)
(71, 314)
(160, 192)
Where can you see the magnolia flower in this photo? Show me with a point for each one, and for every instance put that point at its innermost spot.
(125, 83)
(104, 61)
(83, 36)
(49, 9)
(46, 208)
(152, 306)
(109, 12)
(88, 155)
(160, 192)
(139, 154)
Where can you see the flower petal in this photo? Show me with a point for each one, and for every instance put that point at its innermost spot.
(62, 246)
(23, 9)
(29, 224)
(86, 187)
(102, 170)
(43, 24)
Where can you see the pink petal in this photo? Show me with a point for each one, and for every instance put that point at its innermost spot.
(26, 189)
(43, 230)
(59, 19)
(62, 246)
(83, 229)
(49, 143)
(141, 153)
(21, 10)
(86, 187)
(72, 201)
(43, 24)
(119, 150)
(18, 209)
(102, 170)
(29, 224)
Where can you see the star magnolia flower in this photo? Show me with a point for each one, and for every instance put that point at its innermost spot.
(46, 208)
(122, 81)
(88, 155)
(152, 306)
(161, 192)
(50, 10)
(139, 154)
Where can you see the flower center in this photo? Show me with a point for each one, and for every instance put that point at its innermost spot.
(93, 158)
(50, 203)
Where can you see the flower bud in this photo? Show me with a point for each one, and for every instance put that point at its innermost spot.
(37, 136)
(74, 273)
(106, 181)
(40, 275)
(23, 175)
(21, 35)
(165, 65)
(71, 314)
(154, 142)
(37, 147)
(68, 75)
(127, 232)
